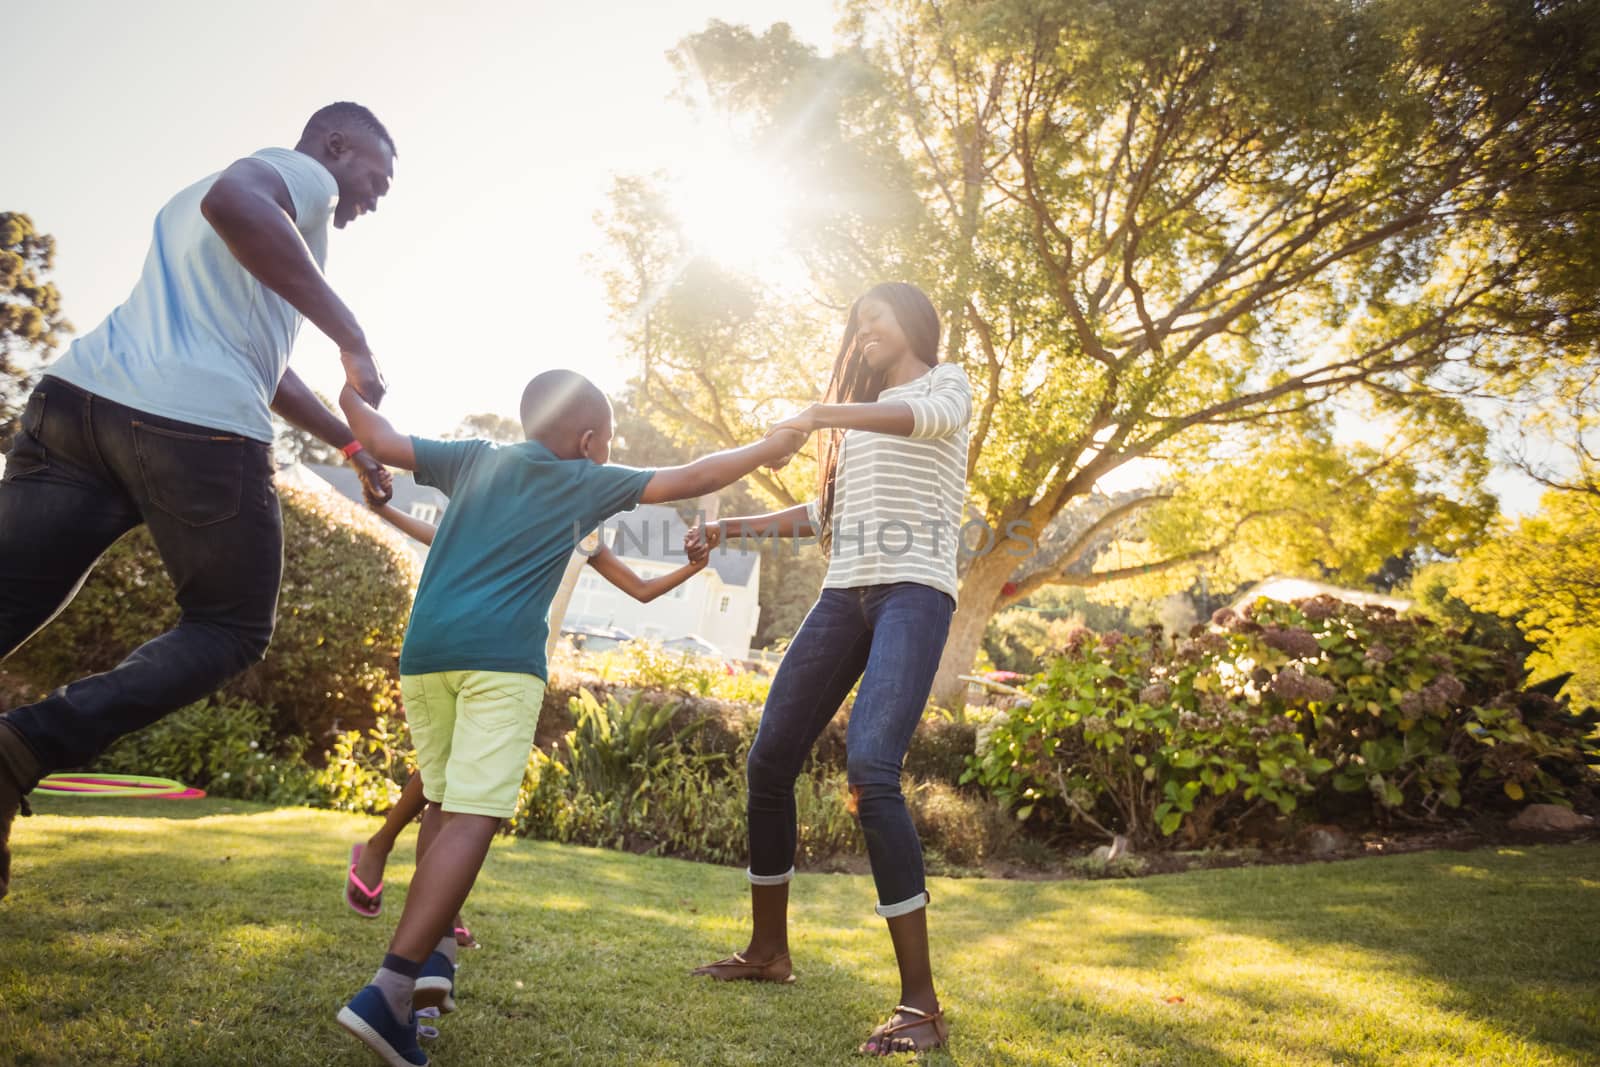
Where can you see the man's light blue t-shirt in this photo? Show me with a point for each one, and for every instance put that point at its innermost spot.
(516, 513)
(200, 339)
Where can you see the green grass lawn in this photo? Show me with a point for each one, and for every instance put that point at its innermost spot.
(212, 932)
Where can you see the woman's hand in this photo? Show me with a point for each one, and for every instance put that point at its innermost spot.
(791, 438)
(805, 420)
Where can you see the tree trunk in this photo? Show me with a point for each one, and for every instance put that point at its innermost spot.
(980, 594)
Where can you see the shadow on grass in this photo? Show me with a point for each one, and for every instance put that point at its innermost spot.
(224, 942)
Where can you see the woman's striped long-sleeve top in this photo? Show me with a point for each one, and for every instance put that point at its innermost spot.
(898, 500)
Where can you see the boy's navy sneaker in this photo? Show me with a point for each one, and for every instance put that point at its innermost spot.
(368, 1017)
(436, 985)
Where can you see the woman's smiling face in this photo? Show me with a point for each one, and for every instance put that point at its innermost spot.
(878, 334)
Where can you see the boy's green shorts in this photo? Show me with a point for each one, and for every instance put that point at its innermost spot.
(472, 731)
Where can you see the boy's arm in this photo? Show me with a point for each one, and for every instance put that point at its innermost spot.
(644, 590)
(710, 473)
(409, 525)
(301, 408)
(375, 433)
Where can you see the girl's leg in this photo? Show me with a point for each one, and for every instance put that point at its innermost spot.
(375, 854)
(822, 664)
(910, 623)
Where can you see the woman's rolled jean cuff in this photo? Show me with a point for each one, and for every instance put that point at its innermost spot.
(770, 879)
(905, 907)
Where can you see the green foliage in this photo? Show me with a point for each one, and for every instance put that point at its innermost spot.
(646, 665)
(1284, 706)
(1543, 571)
(31, 319)
(224, 747)
(1150, 236)
(365, 769)
(342, 609)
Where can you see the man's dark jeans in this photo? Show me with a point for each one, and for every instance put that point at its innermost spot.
(81, 472)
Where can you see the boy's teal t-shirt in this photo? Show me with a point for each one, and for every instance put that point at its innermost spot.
(516, 513)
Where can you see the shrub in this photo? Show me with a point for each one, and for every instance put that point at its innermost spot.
(366, 769)
(342, 610)
(223, 747)
(1282, 705)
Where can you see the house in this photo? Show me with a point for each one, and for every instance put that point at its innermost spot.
(719, 606)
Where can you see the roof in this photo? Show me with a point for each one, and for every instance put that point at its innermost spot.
(1285, 590)
(655, 532)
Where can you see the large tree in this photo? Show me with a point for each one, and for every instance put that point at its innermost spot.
(31, 320)
(1158, 231)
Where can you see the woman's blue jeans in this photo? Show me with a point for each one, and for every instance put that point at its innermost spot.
(890, 637)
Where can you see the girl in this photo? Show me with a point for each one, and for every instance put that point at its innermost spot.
(891, 487)
(367, 860)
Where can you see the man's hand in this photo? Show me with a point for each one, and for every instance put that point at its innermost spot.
(362, 374)
(795, 438)
(377, 484)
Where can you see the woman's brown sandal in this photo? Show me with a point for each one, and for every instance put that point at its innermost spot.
(883, 1041)
(738, 969)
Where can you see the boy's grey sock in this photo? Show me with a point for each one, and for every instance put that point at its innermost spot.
(448, 946)
(395, 980)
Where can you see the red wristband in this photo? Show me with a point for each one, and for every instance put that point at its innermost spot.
(350, 449)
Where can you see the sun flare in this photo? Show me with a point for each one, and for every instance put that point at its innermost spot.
(733, 209)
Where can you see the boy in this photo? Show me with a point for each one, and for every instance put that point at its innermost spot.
(473, 665)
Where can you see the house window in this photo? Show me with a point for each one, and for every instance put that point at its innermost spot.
(425, 512)
(723, 607)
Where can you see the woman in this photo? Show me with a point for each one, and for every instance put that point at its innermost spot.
(891, 487)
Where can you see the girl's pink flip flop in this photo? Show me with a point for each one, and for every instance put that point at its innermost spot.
(369, 907)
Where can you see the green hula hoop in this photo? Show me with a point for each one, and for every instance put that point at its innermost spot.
(117, 785)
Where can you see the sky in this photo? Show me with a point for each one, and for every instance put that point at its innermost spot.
(480, 267)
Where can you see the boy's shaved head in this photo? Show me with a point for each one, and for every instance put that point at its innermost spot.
(562, 404)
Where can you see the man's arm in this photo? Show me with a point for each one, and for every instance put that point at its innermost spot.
(375, 433)
(710, 473)
(303, 409)
(250, 208)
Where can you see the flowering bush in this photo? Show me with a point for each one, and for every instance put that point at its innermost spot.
(1279, 706)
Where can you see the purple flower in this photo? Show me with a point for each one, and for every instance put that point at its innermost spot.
(1294, 686)
(1378, 654)
(1112, 638)
(1318, 608)
(1156, 693)
(1225, 618)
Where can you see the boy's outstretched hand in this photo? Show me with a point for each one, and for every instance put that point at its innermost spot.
(696, 547)
(699, 541)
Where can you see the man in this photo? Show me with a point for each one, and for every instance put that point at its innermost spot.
(161, 416)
